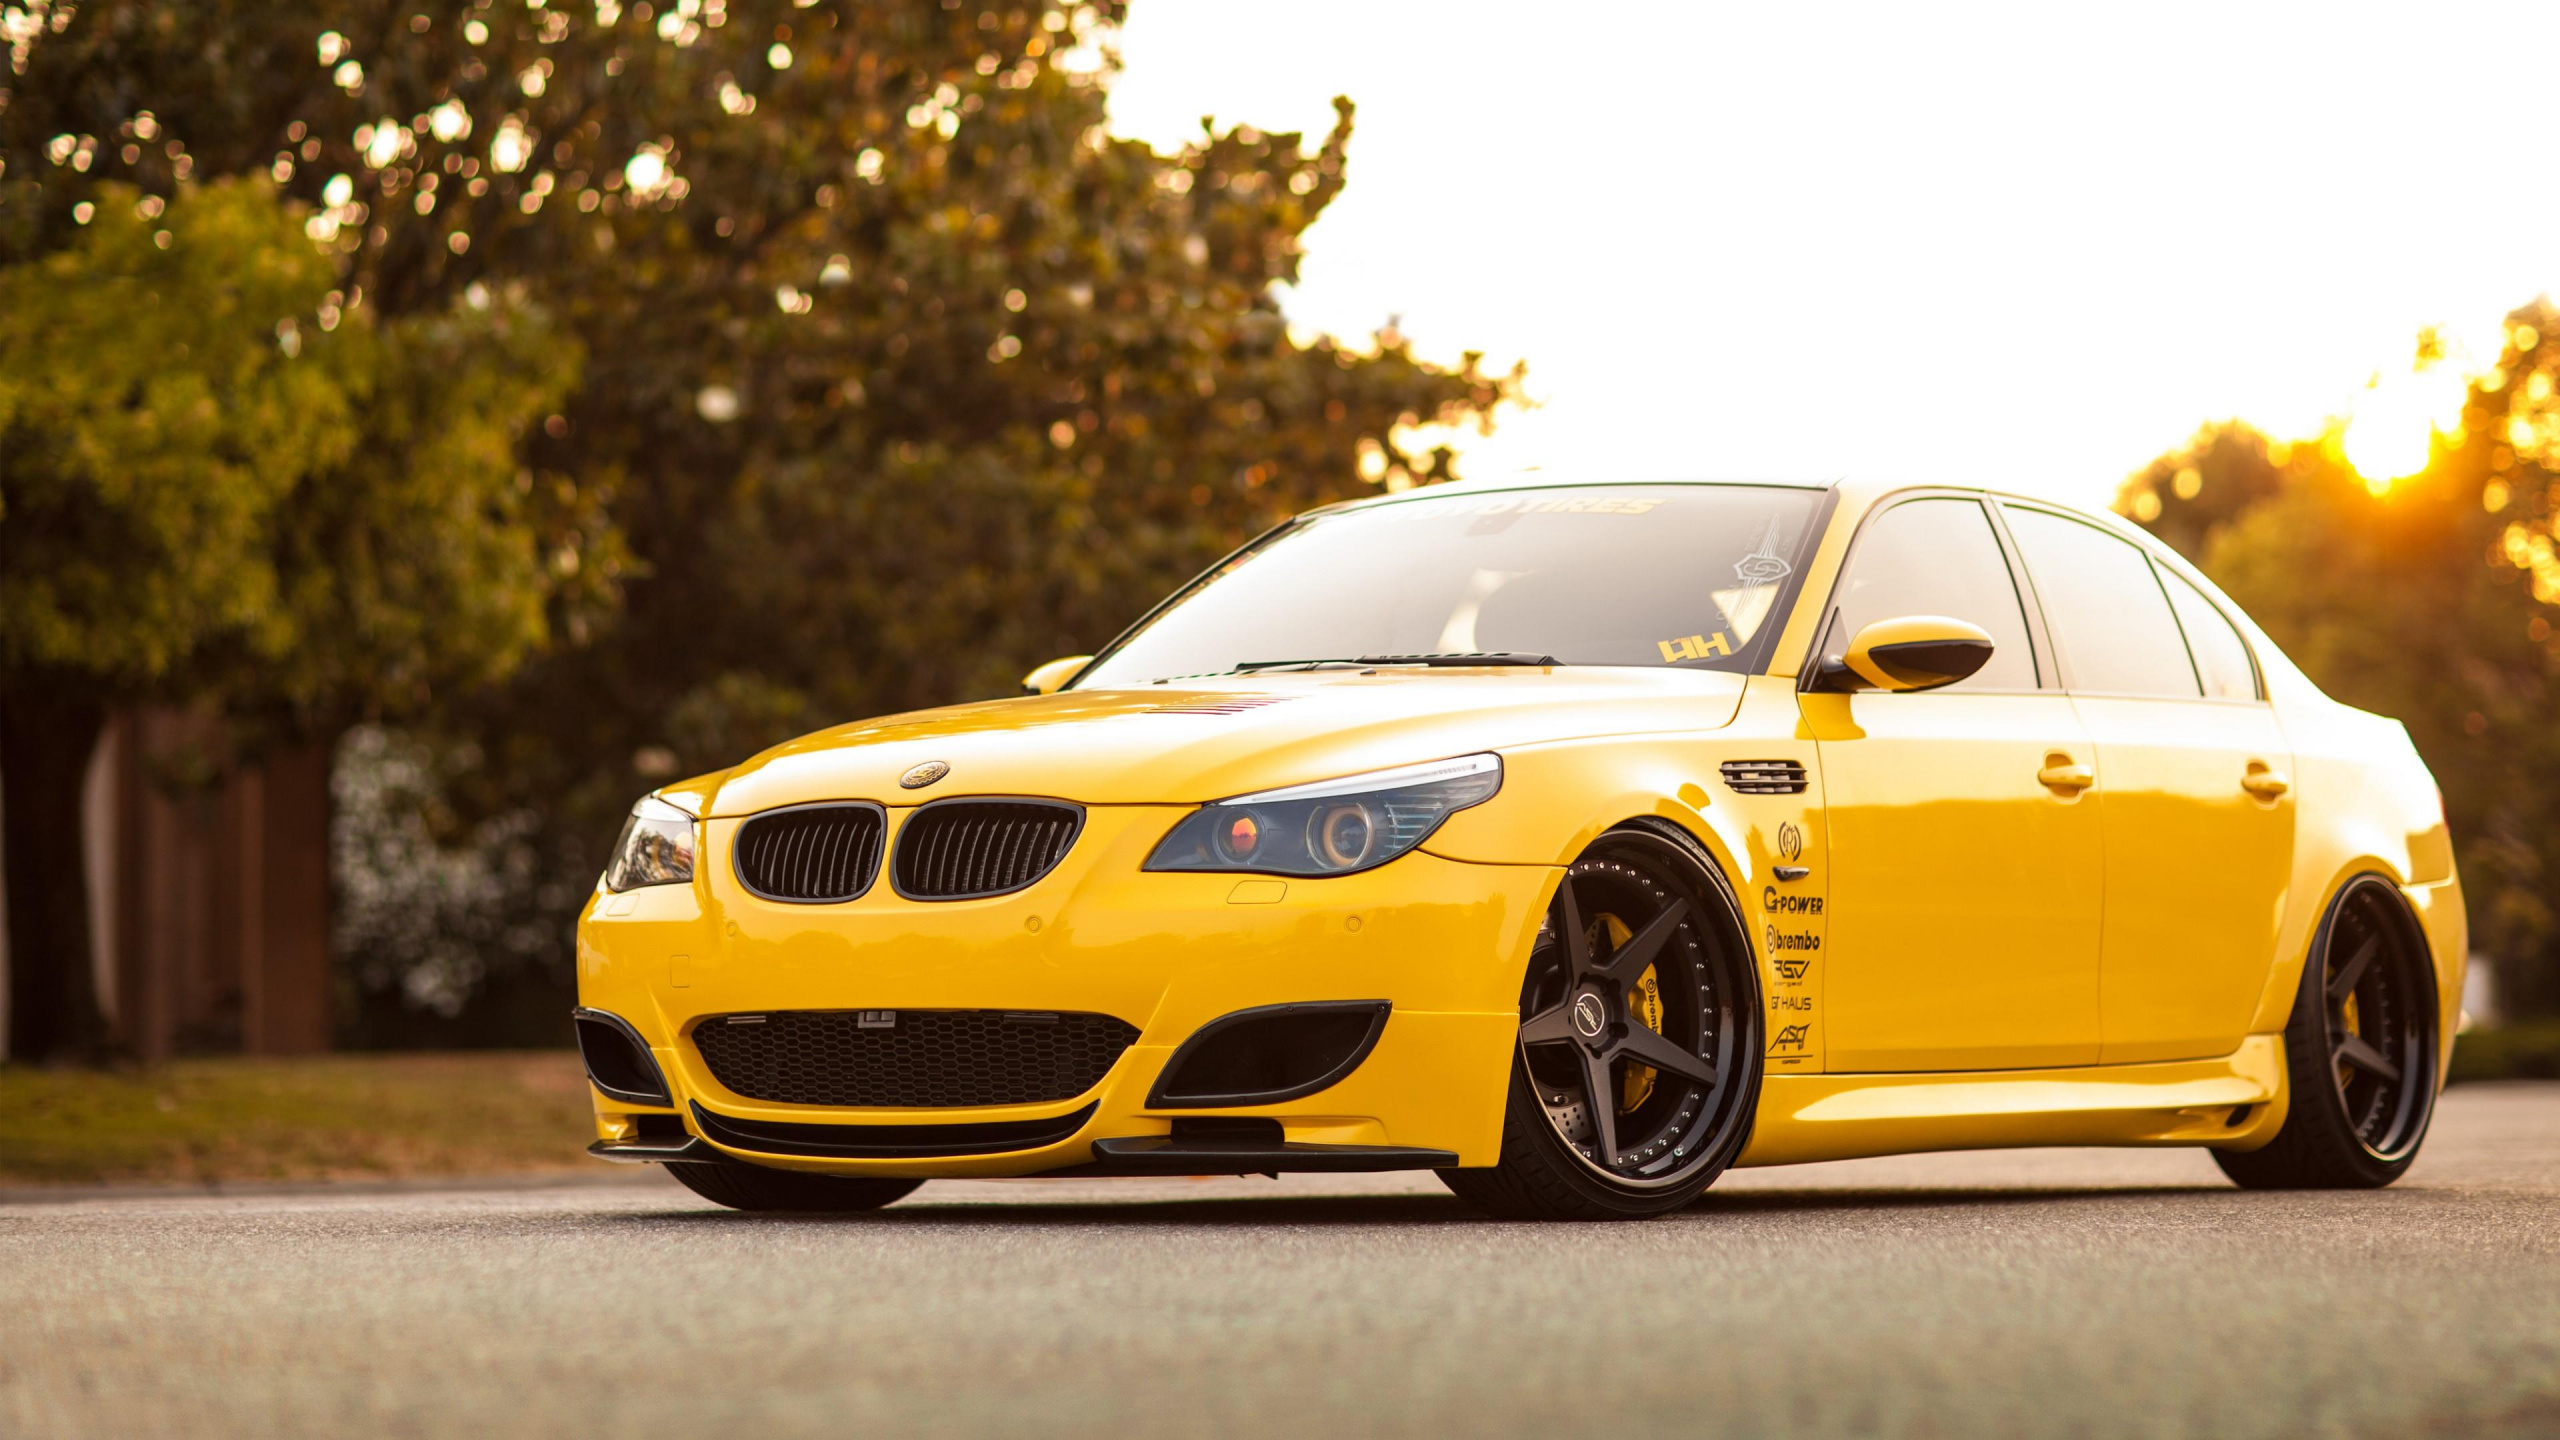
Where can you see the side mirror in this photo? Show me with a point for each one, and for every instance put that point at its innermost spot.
(1049, 677)
(1908, 652)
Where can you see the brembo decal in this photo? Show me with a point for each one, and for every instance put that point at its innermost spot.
(1781, 941)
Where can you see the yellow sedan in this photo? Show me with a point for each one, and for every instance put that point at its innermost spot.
(1575, 842)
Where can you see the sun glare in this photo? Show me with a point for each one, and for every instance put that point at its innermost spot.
(2391, 435)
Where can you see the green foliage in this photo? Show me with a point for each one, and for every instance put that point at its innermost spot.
(433, 558)
(216, 481)
(2431, 600)
(157, 401)
(900, 377)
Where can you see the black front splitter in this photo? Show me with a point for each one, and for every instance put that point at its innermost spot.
(1209, 1155)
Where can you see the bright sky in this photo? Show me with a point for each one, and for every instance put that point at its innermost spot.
(2032, 247)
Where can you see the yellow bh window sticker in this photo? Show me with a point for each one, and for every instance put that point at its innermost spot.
(1695, 647)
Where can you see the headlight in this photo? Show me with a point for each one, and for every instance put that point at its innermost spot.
(656, 848)
(1332, 827)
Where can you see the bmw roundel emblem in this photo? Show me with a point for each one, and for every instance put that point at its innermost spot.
(923, 775)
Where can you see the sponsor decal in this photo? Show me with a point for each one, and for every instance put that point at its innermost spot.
(1790, 841)
(1790, 951)
(1792, 1037)
(1777, 904)
(1763, 566)
(1694, 647)
(1799, 1003)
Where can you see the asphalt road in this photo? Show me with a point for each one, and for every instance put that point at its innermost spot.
(2079, 1293)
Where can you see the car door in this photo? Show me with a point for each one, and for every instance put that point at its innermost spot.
(1964, 891)
(2192, 782)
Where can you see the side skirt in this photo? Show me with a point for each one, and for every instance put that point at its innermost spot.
(2174, 1102)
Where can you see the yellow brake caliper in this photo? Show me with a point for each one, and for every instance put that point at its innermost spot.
(1644, 1002)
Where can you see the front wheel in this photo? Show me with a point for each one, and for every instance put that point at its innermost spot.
(754, 1187)
(1639, 1058)
(2360, 1054)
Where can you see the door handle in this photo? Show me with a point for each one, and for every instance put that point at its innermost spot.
(2065, 775)
(2263, 782)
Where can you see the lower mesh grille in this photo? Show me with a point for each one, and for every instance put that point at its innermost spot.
(967, 849)
(811, 853)
(920, 1058)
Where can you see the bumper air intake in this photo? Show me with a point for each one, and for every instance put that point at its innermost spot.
(923, 1059)
(1269, 1054)
(617, 1059)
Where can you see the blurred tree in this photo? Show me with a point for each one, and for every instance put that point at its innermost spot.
(902, 374)
(2187, 494)
(150, 420)
(2432, 599)
(217, 487)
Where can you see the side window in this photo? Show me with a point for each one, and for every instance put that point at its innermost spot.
(2222, 657)
(2110, 618)
(1939, 557)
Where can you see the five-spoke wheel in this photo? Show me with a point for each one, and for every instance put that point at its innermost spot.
(2360, 1053)
(1639, 1039)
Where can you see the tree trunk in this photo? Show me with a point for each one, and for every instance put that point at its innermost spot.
(46, 738)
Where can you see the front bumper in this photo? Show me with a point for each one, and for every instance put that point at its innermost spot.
(1442, 940)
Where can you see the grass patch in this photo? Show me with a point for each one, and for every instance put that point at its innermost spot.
(321, 1117)
(2512, 1052)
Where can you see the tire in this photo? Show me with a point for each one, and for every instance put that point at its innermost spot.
(1645, 942)
(754, 1187)
(2360, 1053)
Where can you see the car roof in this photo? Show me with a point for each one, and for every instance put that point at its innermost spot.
(1858, 494)
(1536, 479)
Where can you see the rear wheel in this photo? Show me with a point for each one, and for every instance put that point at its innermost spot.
(1639, 1056)
(753, 1187)
(2360, 1054)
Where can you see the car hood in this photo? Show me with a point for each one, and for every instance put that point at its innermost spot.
(1203, 740)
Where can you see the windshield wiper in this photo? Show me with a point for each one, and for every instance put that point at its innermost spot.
(1462, 657)
(1247, 667)
(1443, 659)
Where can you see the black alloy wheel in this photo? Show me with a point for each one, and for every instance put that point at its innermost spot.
(2360, 1053)
(1639, 1057)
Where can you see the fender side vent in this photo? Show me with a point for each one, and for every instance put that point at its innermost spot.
(1764, 777)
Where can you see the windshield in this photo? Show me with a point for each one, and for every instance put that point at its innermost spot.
(1665, 575)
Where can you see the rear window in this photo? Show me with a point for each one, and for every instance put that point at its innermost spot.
(2109, 616)
(2222, 657)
